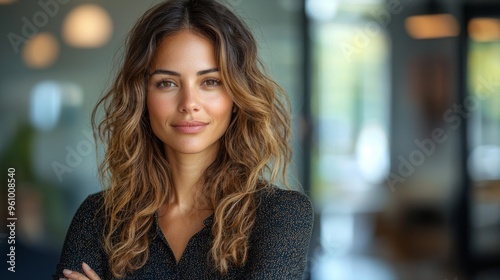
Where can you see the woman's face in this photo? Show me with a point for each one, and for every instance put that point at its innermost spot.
(189, 108)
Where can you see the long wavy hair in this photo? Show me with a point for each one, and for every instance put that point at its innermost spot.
(253, 153)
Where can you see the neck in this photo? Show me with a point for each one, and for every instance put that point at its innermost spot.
(187, 170)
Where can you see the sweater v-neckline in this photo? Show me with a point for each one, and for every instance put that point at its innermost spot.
(158, 231)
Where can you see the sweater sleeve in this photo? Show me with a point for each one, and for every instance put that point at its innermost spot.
(280, 239)
(83, 240)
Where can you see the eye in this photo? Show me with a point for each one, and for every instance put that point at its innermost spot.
(165, 84)
(211, 82)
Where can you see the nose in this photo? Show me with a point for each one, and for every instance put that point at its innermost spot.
(189, 101)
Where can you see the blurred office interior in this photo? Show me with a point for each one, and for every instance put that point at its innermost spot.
(395, 107)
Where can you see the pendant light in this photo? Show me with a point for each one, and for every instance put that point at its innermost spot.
(434, 23)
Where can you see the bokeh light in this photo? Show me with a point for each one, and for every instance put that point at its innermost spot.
(41, 51)
(432, 26)
(484, 29)
(48, 101)
(87, 26)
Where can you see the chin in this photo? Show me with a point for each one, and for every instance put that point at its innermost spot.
(193, 148)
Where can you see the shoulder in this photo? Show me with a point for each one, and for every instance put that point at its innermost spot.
(281, 234)
(90, 210)
(93, 202)
(83, 240)
(279, 205)
(274, 198)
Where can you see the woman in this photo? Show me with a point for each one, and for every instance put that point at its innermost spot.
(197, 137)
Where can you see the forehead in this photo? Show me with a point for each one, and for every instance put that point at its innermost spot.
(185, 48)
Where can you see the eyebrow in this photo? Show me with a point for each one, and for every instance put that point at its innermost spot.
(173, 73)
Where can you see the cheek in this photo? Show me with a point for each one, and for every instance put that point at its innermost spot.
(223, 109)
(152, 111)
(157, 107)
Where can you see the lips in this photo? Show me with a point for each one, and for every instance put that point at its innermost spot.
(189, 127)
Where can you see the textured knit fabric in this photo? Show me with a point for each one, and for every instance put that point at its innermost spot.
(278, 243)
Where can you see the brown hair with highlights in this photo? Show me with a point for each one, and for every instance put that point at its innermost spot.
(254, 152)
